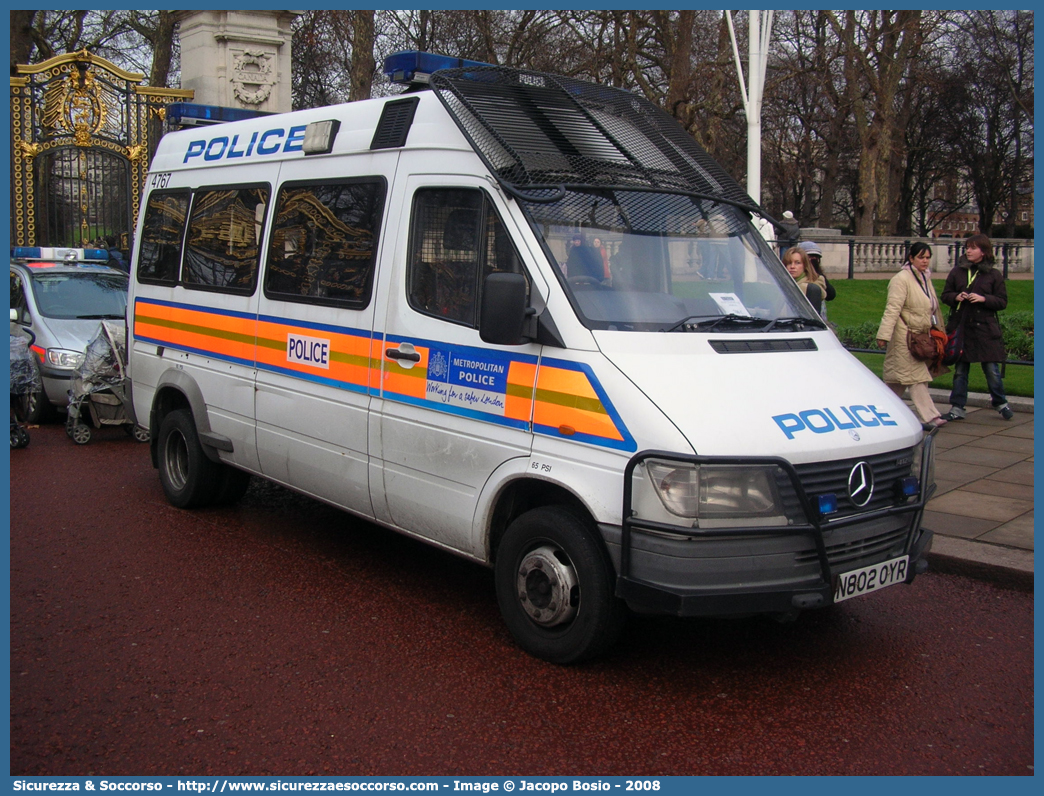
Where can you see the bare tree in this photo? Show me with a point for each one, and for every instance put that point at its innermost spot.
(880, 47)
(1009, 39)
(23, 41)
(157, 30)
(989, 130)
(864, 110)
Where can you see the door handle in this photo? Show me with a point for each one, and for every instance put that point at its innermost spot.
(402, 356)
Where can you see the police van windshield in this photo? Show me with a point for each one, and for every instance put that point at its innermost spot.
(645, 261)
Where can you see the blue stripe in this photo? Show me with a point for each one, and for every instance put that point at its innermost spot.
(322, 327)
(423, 403)
(249, 316)
(626, 444)
(343, 385)
(202, 352)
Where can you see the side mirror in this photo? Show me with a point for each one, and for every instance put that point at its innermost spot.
(504, 308)
(814, 294)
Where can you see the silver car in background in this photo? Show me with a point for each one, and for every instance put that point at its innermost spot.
(61, 295)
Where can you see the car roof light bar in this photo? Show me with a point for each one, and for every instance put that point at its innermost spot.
(64, 254)
(191, 113)
(413, 67)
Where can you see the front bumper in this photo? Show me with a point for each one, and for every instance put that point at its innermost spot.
(56, 384)
(669, 569)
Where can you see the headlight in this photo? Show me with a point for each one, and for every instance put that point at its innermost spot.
(63, 358)
(926, 449)
(716, 490)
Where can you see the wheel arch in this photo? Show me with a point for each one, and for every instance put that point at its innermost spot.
(177, 390)
(520, 495)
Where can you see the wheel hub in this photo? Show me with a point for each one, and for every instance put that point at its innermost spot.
(547, 587)
(176, 455)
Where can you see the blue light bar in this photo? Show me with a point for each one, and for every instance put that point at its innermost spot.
(827, 504)
(189, 113)
(413, 66)
(57, 253)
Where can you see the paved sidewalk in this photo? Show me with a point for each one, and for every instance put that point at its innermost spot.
(982, 513)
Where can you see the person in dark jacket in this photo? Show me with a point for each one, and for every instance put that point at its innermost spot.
(815, 256)
(116, 257)
(583, 261)
(790, 231)
(976, 291)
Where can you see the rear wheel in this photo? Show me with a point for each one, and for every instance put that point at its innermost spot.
(554, 585)
(189, 478)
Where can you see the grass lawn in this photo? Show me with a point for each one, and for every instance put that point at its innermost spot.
(862, 300)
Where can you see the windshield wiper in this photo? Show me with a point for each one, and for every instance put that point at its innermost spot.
(103, 317)
(742, 320)
(795, 321)
(712, 320)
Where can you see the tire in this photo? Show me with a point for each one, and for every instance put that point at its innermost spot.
(140, 433)
(233, 485)
(19, 437)
(554, 584)
(80, 434)
(189, 478)
(38, 409)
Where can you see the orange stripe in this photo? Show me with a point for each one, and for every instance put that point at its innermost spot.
(570, 382)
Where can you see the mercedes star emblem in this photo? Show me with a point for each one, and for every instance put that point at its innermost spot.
(861, 484)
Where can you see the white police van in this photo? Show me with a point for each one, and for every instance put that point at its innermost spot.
(528, 320)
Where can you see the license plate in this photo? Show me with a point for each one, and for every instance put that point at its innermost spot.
(868, 579)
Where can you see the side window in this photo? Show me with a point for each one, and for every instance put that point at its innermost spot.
(457, 239)
(159, 250)
(18, 298)
(224, 239)
(323, 243)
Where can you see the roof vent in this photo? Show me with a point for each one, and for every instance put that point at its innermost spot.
(395, 123)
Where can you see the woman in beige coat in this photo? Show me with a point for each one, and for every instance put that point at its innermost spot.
(912, 306)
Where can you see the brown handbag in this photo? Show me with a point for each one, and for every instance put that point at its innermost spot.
(922, 346)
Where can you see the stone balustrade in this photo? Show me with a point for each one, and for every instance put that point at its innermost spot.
(846, 255)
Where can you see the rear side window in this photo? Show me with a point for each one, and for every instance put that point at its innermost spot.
(457, 239)
(159, 250)
(224, 238)
(323, 245)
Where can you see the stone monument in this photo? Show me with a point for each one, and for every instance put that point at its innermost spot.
(237, 59)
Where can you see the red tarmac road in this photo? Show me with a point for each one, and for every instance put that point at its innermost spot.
(283, 637)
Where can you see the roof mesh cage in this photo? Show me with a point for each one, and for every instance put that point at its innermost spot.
(538, 131)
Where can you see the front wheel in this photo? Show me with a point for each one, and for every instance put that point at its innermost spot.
(37, 408)
(188, 477)
(140, 433)
(79, 433)
(19, 437)
(554, 585)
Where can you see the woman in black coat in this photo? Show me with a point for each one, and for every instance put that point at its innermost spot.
(976, 291)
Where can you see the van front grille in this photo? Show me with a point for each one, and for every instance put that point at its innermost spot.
(852, 551)
(821, 478)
